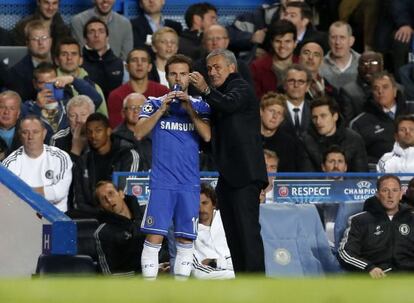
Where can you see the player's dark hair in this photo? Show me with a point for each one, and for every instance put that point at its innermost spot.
(179, 58)
(386, 177)
(326, 101)
(94, 20)
(197, 9)
(334, 149)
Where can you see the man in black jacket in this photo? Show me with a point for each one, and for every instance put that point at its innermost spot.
(103, 67)
(239, 155)
(118, 238)
(329, 129)
(381, 238)
(104, 157)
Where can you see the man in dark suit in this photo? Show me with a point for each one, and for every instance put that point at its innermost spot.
(296, 83)
(150, 20)
(238, 151)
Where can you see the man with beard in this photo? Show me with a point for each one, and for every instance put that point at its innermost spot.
(119, 27)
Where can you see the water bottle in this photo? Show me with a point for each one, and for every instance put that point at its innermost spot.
(177, 87)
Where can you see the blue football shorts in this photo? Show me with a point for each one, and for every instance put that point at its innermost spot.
(167, 206)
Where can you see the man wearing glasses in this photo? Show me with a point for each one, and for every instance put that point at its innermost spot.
(131, 107)
(138, 64)
(296, 84)
(39, 44)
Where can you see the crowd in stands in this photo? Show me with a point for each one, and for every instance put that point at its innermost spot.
(335, 87)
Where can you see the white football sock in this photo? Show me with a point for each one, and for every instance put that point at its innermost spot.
(149, 260)
(183, 260)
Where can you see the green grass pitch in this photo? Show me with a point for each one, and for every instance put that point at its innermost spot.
(392, 289)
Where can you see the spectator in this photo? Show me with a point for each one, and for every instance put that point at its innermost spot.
(273, 110)
(300, 14)
(49, 104)
(39, 43)
(118, 28)
(73, 138)
(198, 18)
(401, 158)
(212, 259)
(99, 162)
(118, 239)
(103, 66)
(376, 123)
(378, 240)
(267, 71)
(138, 65)
(149, 20)
(298, 116)
(10, 103)
(408, 197)
(46, 169)
(164, 45)
(354, 94)
(239, 156)
(125, 132)
(68, 59)
(177, 122)
(47, 11)
(272, 161)
(311, 56)
(216, 37)
(340, 65)
(328, 129)
(406, 75)
(334, 161)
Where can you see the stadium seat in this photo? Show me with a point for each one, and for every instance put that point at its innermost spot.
(346, 209)
(294, 241)
(65, 264)
(86, 240)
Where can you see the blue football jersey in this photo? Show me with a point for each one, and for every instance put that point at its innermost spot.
(175, 145)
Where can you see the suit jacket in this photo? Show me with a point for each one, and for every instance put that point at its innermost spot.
(141, 28)
(237, 142)
(288, 125)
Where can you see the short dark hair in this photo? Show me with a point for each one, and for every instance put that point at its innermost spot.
(31, 117)
(279, 28)
(98, 117)
(179, 58)
(386, 177)
(43, 68)
(400, 119)
(209, 191)
(139, 48)
(305, 9)
(197, 9)
(384, 74)
(300, 68)
(67, 40)
(94, 20)
(326, 101)
(334, 149)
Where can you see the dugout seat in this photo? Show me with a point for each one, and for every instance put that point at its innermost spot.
(86, 240)
(65, 264)
(345, 210)
(295, 242)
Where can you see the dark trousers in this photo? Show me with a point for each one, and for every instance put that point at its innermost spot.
(239, 208)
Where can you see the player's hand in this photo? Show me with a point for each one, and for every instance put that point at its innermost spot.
(43, 97)
(377, 273)
(198, 81)
(404, 34)
(166, 101)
